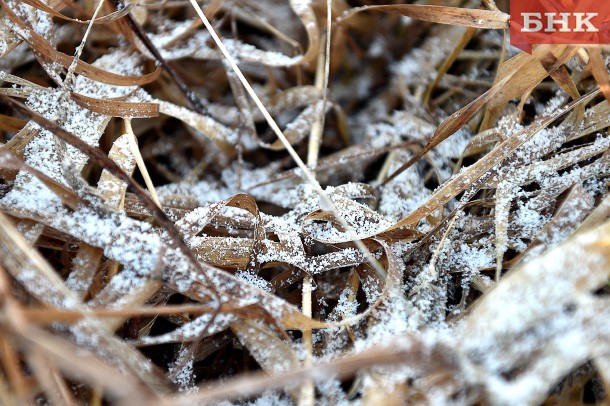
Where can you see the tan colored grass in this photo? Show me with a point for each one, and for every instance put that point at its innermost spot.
(346, 203)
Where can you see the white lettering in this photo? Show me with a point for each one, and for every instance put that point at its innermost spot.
(551, 22)
(528, 21)
(581, 23)
(532, 22)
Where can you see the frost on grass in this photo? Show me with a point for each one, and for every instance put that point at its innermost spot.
(475, 276)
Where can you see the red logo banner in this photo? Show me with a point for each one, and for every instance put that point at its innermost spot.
(582, 22)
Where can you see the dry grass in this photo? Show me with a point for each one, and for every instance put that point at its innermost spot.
(284, 202)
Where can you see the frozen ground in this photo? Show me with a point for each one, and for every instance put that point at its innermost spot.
(422, 219)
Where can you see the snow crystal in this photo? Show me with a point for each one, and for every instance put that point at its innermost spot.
(185, 378)
(254, 279)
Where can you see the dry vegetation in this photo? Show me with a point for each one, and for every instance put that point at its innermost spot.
(369, 204)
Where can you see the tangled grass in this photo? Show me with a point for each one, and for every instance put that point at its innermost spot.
(295, 201)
